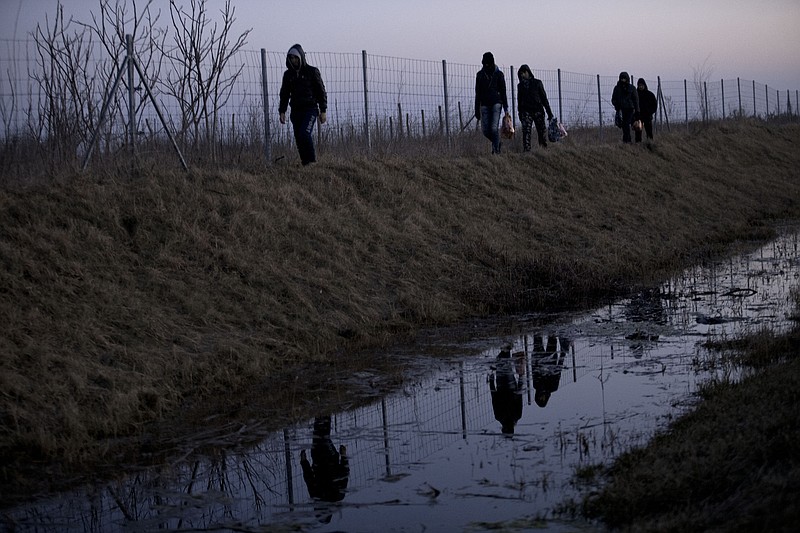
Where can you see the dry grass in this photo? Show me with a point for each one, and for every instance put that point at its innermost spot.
(125, 298)
(732, 464)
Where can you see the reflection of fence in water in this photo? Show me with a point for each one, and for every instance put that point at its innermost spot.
(389, 437)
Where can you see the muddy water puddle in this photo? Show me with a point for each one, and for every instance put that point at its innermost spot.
(484, 440)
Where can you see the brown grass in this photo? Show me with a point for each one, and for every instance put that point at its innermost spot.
(125, 298)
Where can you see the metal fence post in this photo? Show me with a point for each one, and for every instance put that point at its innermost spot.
(265, 95)
(560, 107)
(755, 110)
(446, 102)
(399, 120)
(766, 96)
(659, 100)
(686, 102)
(366, 98)
(131, 103)
(778, 100)
(513, 95)
(722, 89)
(599, 107)
(706, 113)
(739, 90)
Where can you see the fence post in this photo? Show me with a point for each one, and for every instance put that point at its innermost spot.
(446, 102)
(560, 113)
(662, 111)
(686, 102)
(265, 93)
(399, 120)
(755, 110)
(778, 100)
(739, 90)
(766, 95)
(366, 98)
(599, 107)
(422, 111)
(722, 90)
(706, 114)
(131, 103)
(513, 95)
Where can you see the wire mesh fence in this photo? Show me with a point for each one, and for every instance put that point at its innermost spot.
(375, 103)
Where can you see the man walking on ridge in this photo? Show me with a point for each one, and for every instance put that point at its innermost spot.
(302, 86)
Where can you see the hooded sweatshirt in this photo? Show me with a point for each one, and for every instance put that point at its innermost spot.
(624, 95)
(302, 87)
(490, 85)
(648, 104)
(531, 96)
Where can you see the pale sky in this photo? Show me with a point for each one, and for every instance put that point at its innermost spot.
(754, 40)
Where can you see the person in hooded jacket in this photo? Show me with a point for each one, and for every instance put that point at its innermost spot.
(532, 103)
(303, 89)
(490, 98)
(648, 105)
(625, 100)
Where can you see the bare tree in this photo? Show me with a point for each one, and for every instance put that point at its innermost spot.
(66, 85)
(702, 73)
(113, 21)
(199, 78)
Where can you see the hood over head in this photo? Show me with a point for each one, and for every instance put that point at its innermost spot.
(296, 50)
(623, 76)
(524, 68)
(488, 62)
(641, 81)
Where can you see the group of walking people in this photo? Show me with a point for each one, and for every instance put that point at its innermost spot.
(632, 105)
(303, 90)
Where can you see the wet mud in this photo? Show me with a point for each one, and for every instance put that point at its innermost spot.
(498, 432)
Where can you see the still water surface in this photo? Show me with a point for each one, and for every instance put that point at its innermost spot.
(483, 440)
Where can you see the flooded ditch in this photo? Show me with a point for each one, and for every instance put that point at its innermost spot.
(484, 439)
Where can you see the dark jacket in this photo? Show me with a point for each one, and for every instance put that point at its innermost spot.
(531, 96)
(302, 87)
(490, 88)
(648, 104)
(624, 95)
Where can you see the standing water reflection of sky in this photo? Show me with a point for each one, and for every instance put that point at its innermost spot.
(485, 439)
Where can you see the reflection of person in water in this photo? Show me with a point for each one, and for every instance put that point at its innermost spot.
(327, 478)
(646, 306)
(505, 384)
(546, 366)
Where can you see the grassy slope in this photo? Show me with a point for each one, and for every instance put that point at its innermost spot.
(122, 298)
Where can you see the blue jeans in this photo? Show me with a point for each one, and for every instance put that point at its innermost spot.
(627, 120)
(303, 124)
(490, 118)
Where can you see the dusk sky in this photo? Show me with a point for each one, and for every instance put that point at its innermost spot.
(672, 39)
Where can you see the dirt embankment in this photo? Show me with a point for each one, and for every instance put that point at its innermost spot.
(122, 299)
